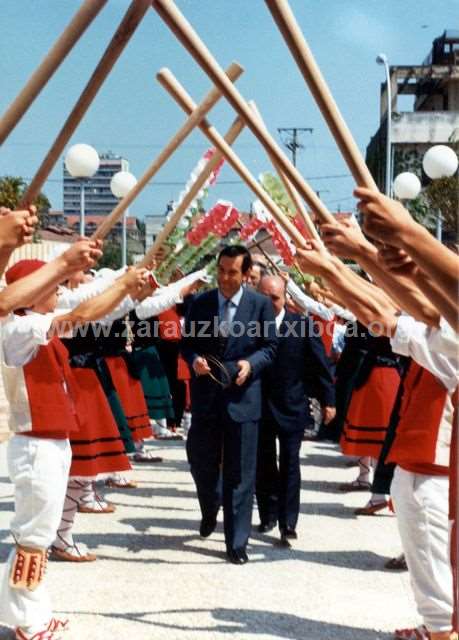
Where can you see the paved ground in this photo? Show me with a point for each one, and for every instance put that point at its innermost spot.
(155, 579)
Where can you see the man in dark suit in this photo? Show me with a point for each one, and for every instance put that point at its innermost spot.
(299, 371)
(233, 326)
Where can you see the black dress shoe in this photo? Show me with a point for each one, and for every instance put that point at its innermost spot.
(237, 556)
(289, 534)
(207, 527)
(264, 527)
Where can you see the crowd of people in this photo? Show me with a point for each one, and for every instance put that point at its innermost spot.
(97, 362)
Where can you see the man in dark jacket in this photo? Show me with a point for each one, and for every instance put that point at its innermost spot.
(299, 371)
(228, 340)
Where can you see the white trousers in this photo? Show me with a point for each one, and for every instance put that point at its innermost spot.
(38, 469)
(421, 506)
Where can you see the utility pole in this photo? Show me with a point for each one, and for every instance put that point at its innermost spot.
(289, 137)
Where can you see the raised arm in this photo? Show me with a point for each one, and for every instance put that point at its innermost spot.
(127, 285)
(389, 222)
(16, 229)
(22, 293)
(368, 303)
(347, 241)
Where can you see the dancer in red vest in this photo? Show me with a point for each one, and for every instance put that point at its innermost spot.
(42, 393)
(421, 498)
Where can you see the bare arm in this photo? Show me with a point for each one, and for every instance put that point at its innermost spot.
(389, 222)
(99, 306)
(396, 260)
(16, 229)
(368, 303)
(347, 241)
(23, 292)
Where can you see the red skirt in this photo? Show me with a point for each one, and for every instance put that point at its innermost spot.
(97, 448)
(369, 413)
(131, 397)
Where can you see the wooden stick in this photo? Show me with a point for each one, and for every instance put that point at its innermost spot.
(235, 129)
(191, 41)
(290, 189)
(56, 55)
(123, 34)
(234, 71)
(298, 46)
(171, 84)
(266, 255)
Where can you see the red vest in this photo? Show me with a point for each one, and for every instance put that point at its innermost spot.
(327, 327)
(169, 325)
(421, 428)
(52, 391)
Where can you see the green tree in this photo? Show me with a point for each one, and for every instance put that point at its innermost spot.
(12, 188)
(443, 195)
(111, 257)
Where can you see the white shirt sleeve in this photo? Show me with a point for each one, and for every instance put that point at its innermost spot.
(23, 335)
(125, 306)
(308, 304)
(155, 304)
(414, 339)
(71, 298)
(343, 313)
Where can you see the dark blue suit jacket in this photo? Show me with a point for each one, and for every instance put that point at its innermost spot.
(257, 344)
(300, 370)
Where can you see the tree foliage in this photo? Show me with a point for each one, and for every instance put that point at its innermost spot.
(111, 257)
(12, 188)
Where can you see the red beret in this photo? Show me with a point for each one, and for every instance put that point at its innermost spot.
(21, 269)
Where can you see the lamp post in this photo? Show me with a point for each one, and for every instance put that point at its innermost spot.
(82, 162)
(438, 162)
(120, 185)
(382, 59)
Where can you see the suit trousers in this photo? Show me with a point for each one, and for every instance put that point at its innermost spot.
(421, 505)
(38, 469)
(223, 456)
(278, 486)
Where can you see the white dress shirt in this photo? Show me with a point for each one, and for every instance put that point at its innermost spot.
(431, 348)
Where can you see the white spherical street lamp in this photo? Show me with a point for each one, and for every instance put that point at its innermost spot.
(82, 162)
(440, 161)
(407, 186)
(120, 185)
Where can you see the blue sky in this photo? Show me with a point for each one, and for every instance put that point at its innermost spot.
(134, 117)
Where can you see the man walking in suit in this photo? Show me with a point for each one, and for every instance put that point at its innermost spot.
(299, 371)
(229, 339)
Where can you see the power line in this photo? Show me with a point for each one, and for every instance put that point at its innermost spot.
(291, 141)
(174, 183)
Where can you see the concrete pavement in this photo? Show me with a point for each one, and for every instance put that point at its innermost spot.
(156, 579)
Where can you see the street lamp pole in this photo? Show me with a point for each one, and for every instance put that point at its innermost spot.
(82, 211)
(382, 59)
(120, 185)
(82, 162)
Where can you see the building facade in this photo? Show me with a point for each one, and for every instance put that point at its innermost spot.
(434, 118)
(99, 199)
